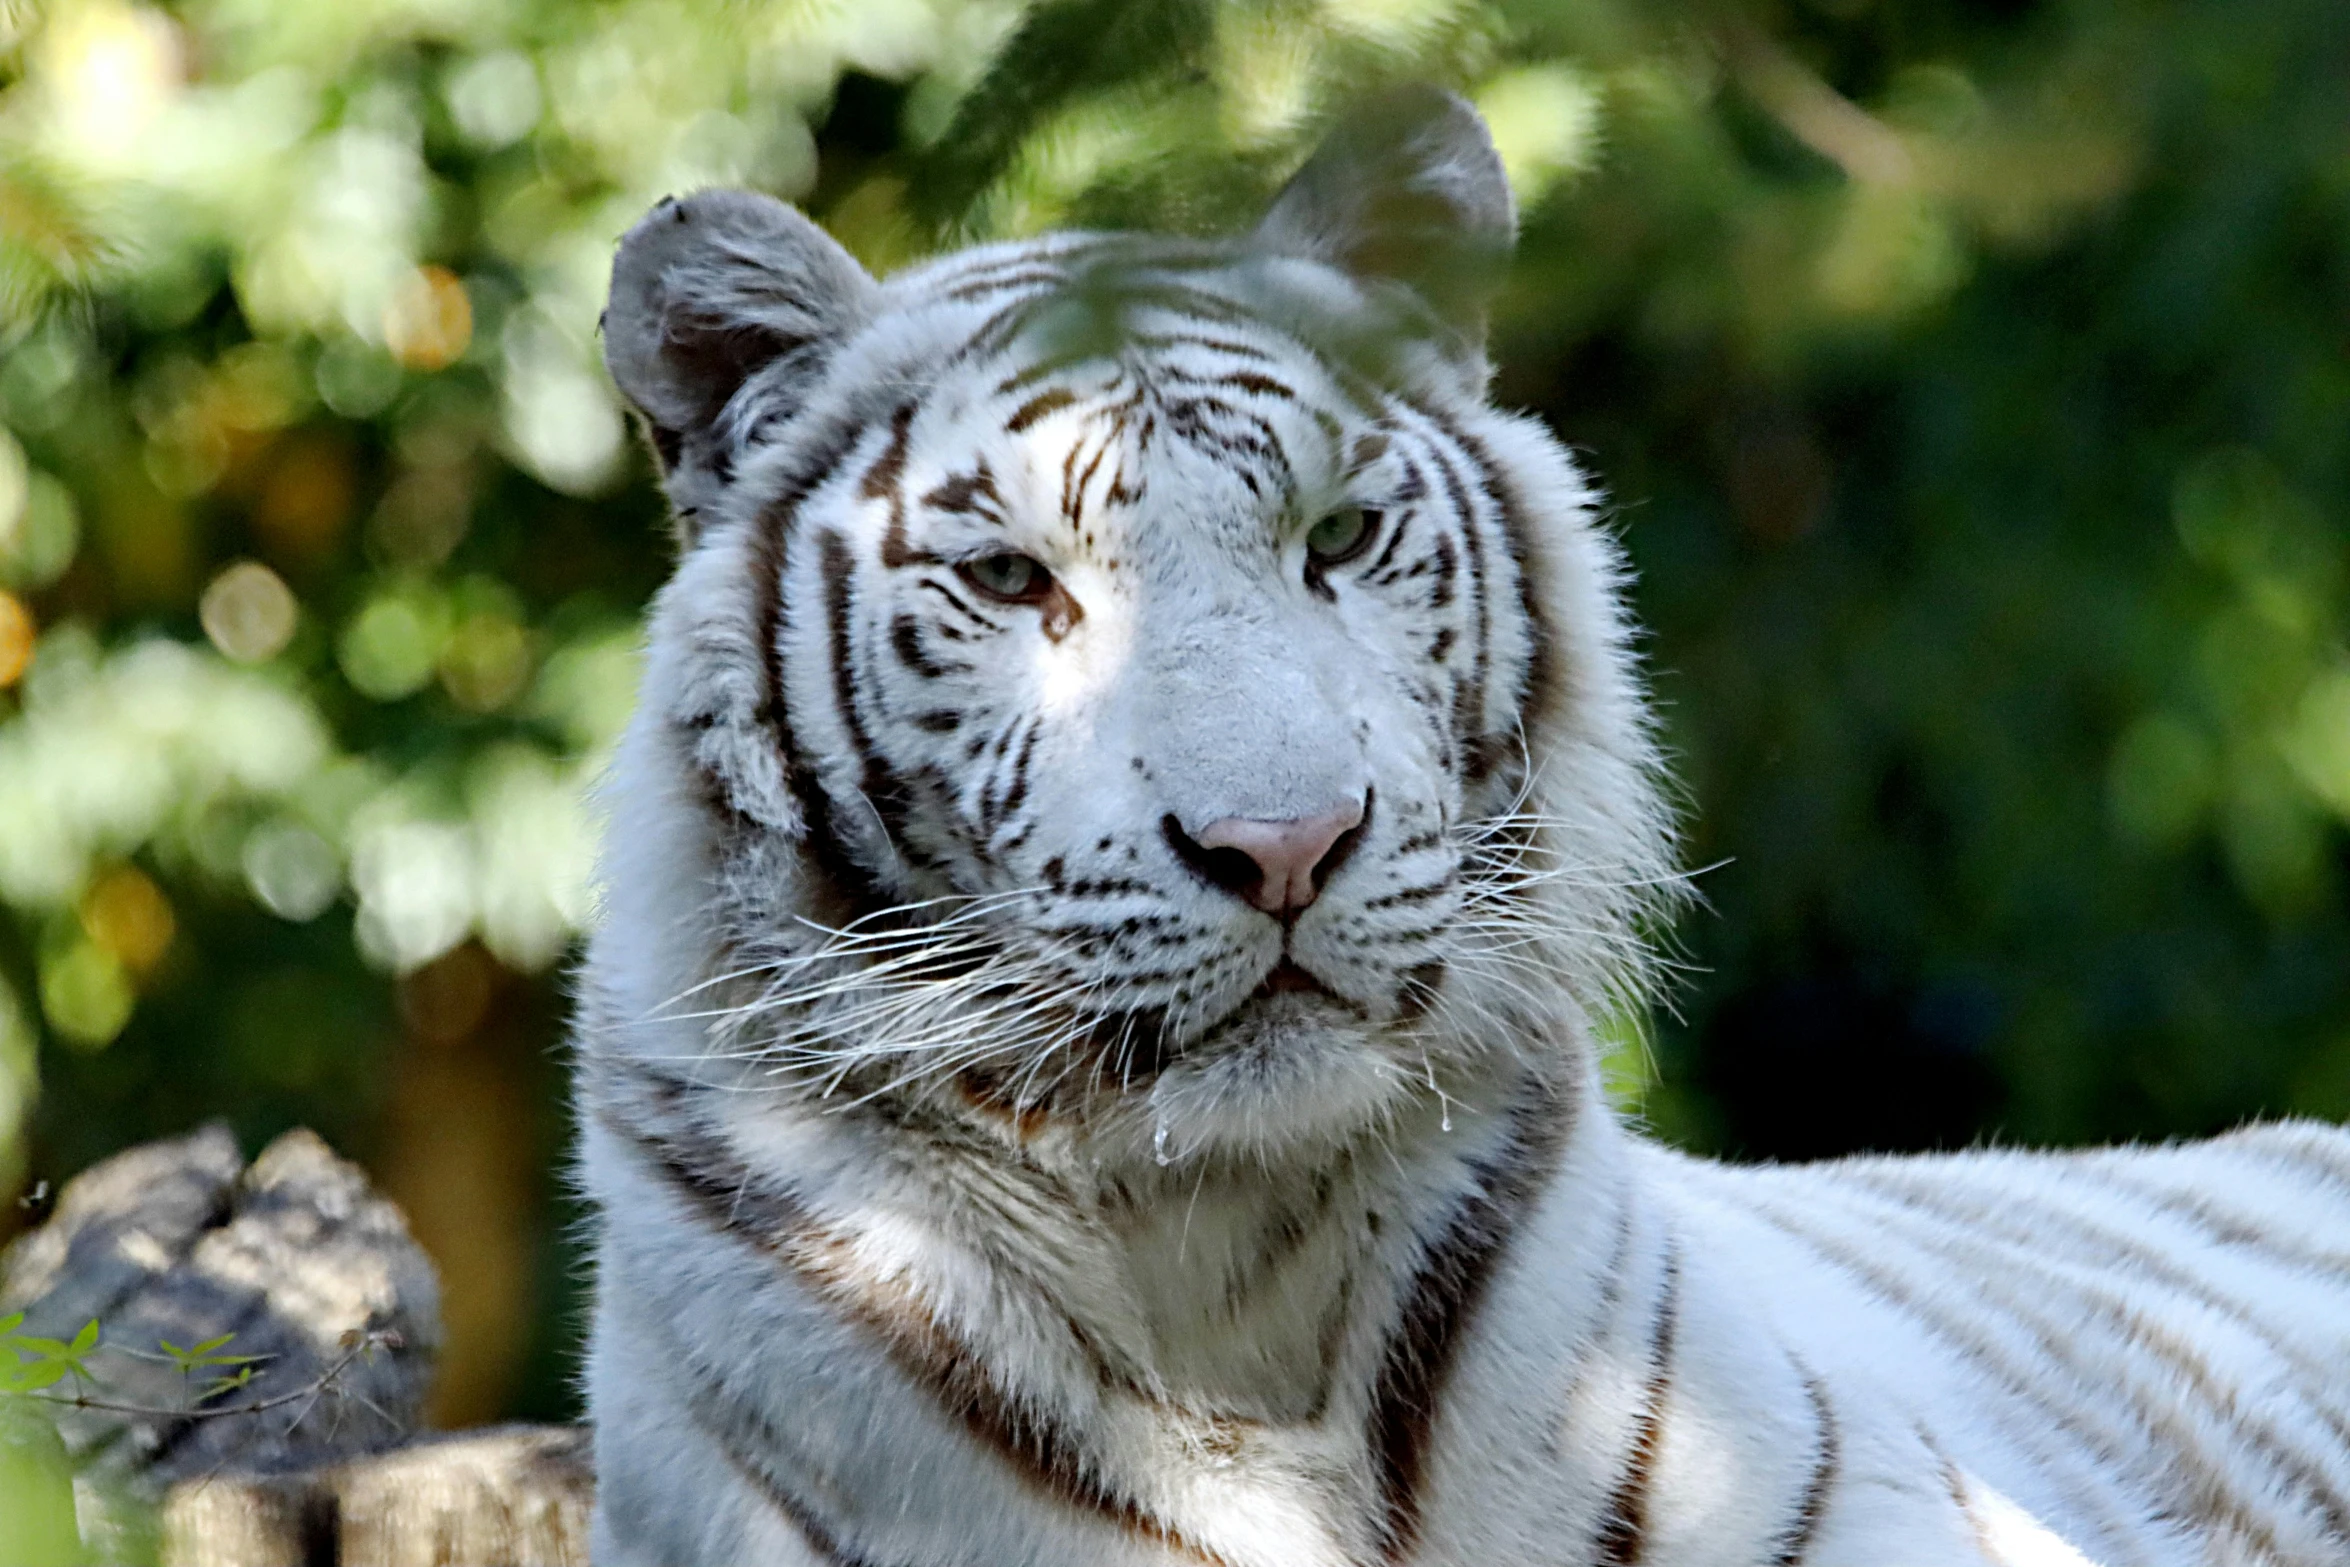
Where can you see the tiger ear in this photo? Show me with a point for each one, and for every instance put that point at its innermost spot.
(711, 292)
(1406, 188)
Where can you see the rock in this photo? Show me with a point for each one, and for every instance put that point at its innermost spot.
(294, 1255)
(312, 1460)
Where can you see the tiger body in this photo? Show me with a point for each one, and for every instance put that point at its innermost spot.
(1003, 1158)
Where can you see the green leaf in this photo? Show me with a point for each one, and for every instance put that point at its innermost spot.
(87, 1339)
(212, 1344)
(220, 1385)
(9, 1325)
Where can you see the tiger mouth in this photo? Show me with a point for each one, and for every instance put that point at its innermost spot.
(1288, 979)
(1136, 1046)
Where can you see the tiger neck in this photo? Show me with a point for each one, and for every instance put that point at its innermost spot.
(1263, 1288)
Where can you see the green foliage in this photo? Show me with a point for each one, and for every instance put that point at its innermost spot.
(30, 1363)
(1969, 381)
(208, 1354)
(39, 1522)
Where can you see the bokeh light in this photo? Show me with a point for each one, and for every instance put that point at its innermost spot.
(428, 321)
(17, 635)
(248, 612)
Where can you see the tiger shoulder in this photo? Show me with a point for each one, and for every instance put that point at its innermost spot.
(1141, 790)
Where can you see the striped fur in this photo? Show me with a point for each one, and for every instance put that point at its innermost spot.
(968, 1191)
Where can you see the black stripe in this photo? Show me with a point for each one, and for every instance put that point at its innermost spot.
(744, 1437)
(1623, 1528)
(963, 494)
(885, 481)
(1538, 685)
(841, 889)
(933, 585)
(1472, 537)
(905, 640)
(1037, 407)
(1448, 566)
(1074, 483)
(1221, 345)
(1262, 385)
(1189, 419)
(839, 578)
(1440, 1302)
(1419, 894)
(1017, 794)
(1033, 278)
(1175, 298)
(1795, 1540)
(885, 791)
(1395, 533)
(993, 334)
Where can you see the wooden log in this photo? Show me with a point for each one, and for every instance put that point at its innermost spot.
(512, 1496)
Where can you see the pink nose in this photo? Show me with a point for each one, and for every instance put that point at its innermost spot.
(1291, 858)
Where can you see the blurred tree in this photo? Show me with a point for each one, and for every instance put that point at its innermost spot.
(1971, 379)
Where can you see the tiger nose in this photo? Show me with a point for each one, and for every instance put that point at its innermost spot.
(1277, 866)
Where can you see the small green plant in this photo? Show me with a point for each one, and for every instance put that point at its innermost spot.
(204, 1356)
(40, 1363)
(37, 1514)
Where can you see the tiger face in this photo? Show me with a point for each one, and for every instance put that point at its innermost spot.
(1139, 672)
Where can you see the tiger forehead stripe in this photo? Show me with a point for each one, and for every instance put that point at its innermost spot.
(972, 493)
(1043, 403)
(885, 481)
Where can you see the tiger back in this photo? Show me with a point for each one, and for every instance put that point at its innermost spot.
(1140, 793)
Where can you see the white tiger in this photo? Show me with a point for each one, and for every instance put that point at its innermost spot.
(1140, 791)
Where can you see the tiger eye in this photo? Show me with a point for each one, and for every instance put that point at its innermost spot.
(1341, 536)
(1013, 578)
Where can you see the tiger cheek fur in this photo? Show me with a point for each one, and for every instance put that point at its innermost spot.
(1140, 799)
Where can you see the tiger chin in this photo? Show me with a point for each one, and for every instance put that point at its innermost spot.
(1140, 793)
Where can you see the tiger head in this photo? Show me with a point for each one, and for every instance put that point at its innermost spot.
(1131, 673)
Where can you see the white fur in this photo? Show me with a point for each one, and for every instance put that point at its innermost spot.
(899, 1265)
